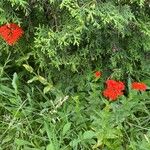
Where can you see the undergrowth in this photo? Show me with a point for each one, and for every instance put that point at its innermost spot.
(54, 68)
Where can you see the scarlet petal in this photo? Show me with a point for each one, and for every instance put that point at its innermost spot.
(11, 33)
(121, 85)
(112, 94)
(139, 86)
(115, 84)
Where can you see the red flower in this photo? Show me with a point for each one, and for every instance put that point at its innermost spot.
(11, 33)
(139, 86)
(112, 94)
(98, 74)
(117, 85)
(114, 89)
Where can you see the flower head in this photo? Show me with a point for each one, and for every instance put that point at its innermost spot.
(139, 86)
(98, 74)
(117, 85)
(114, 89)
(11, 33)
(112, 94)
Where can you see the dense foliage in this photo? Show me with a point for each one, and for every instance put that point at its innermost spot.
(55, 74)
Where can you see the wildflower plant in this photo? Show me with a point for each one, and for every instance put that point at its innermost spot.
(74, 74)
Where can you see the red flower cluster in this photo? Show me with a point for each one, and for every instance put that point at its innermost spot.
(139, 86)
(114, 89)
(98, 74)
(11, 33)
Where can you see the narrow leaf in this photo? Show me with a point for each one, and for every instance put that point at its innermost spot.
(14, 82)
(28, 68)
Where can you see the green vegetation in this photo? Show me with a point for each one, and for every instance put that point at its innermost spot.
(50, 98)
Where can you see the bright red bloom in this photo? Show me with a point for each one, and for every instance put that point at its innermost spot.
(139, 86)
(98, 74)
(11, 33)
(112, 94)
(114, 89)
(117, 85)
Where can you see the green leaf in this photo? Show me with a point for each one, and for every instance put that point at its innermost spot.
(47, 88)
(33, 79)
(50, 147)
(147, 82)
(6, 139)
(75, 143)
(42, 80)
(15, 82)
(21, 142)
(47, 129)
(66, 128)
(28, 68)
(88, 134)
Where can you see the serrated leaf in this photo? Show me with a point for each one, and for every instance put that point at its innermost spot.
(75, 142)
(66, 128)
(28, 68)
